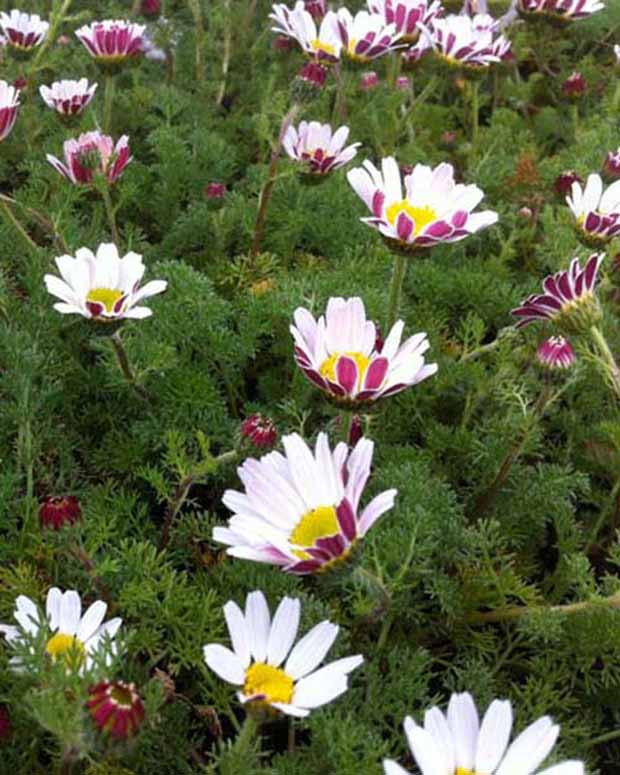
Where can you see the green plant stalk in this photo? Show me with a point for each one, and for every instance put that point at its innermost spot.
(514, 613)
(125, 366)
(399, 270)
(346, 419)
(15, 223)
(199, 31)
(247, 734)
(575, 118)
(226, 54)
(475, 116)
(55, 21)
(109, 211)
(607, 358)
(108, 101)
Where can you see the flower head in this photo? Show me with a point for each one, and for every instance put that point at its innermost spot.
(318, 150)
(260, 647)
(9, 105)
(316, 8)
(68, 97)
(405, 15)
(112, 41)
(597, 212)
(300, 510)
(563, 184)
(365, 36)
(259, 431)
(215, 190)
(457, 743)
(116, 708)
(322, 44)
(55, 512)
(433, 209)
(103, 286)
(612, 164)
(559, 10)
(73, 637)
(339, 354)
(23, 31)
(369, 80)
(150, 7)
(90, 154)
(568, 298)
(574, 86)
(556, 353)
(468, 42)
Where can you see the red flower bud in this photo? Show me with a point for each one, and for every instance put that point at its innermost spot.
(369, 80)
(564, 182)
(215, 191)
(151, 7)
(116, 708)
(56, 512)
(260, 431)
(575, 85)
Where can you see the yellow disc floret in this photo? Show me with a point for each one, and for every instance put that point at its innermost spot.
(66, 647)
(270, 682)
(322, 48)
(328, 367)
(421, 216)
(108, 297)
(318, 523)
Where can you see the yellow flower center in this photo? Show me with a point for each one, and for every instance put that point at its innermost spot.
(328, 367)
(463, 771)
(67, 647)
(106, 296)
(421, 216)
(318, 46)
(271, 682)
(318, 523)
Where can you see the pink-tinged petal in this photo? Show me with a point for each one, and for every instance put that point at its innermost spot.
(376, 374)
(404, 227)
(438, 230)
(378, 201)
(346, 520)
(346, 374)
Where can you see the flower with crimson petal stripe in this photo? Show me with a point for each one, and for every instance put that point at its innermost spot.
(365, 36)
(597, 212)
(9, 105)
(612, 164)
(74, 637)
(556, 353)
(321, 43)
(457, 743)
(568, 298)
(260, 647)
(104, 286)
(469, 42)
(113, 41)
(57, 511)
(559, 10)
(300, 510)
(339, 354)
(315, 147)
(23, 31)
(405, 15)
(434, 208)
(116, 708)
(93, 153)
(68, 97)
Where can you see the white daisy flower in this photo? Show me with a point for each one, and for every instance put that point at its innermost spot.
(458, 744)
(366, 36)
(596, 211)
(68, 97)
(23, 31)
(322, 43)
(103, 286)
(73, 637)
(260, 647)
(317, 148)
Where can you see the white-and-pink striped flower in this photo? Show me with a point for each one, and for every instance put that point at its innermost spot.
(322, 43)
(365, 36)
(23, 31)
(9, 106)
(469, 42)
(555, 353)
(566, 10)
(300, 510)
(342, 354)
(315, 147)
(432, 209)
(112, 41)
(93, 153)
(406, 15)
(596, 210)
(68, 97)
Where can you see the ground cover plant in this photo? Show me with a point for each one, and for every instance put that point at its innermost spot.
(310, 401)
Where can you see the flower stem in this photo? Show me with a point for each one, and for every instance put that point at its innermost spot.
(575, 117)
(266, 191)
(519, 611)
(399, 270)
(246, 736)
(199, 32)
(125, 366)
(108, 101)
(607, 359)
(109, 210)
(55, 22)
(226, 54)
(346, 419)
(14, 221)
(475, 116)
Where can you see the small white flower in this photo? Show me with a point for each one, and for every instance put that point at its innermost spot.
(23, 30)
(260, 647)
(596, 211)
(322, 44)
(9, 106)
(617, 54)
(320, 151)
(458, 744)
(365, 36)
(467, 41)
(68, 97)
(102, 286)
(73, 637)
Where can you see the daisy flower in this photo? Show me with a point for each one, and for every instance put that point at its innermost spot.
(596, 212)
(341, 354)
(466, 41)
(556, 353)
(560, 10)
(568, 298)
(322, 43)
(405, 15)
(104, 286)
(260, 647)
(9, 105)
(317, 149)
(73, 637)
(23, 31)
(433, 209)
(457, 743)
(68, 97)
(116, 708)
(300, 510)
(112, 41)
(90, 154)
(365, 36)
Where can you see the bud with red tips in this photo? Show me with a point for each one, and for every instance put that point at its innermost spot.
(308, 82)
(575, 86)
(564, 182)
(556, 353)
(403, 83)
(369, 80)
(116, 708)
(259, 431)
(150, 7)
(5, 724)
(282, 43)
(215, 191)
(612, 164)
(316, 8)
(356, 431)
(57, 512)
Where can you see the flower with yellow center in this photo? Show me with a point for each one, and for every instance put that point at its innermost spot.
(457, 743)
(366, 36)
(300, 511)
(596, 210)
(73, 637)
(322, 44)
(272, 672)
(103, 286)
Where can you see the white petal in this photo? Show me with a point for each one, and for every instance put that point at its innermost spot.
(225, 663)
(494, 736)
(258, 623)
(311, 650)
(91, 620)
(283, 630)
(239, 634)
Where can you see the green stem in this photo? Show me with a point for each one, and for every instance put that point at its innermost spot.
(246, 736)
(13, 220)
(199, 32)
(514, 613)
(55, 22)
(399, 270)
(125, 366)
(575, 118)
(603, 516)
(109, 210)
(108, 101)
(475, 116)
(346, 418)
(226, 54)
(606, 738)
(607, 359)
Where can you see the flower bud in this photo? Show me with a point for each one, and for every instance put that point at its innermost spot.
(575, 86)
(215, 190)
(556, 353)
(151, 7)
(612, 164)
(356, 431)
(369, 80)
(316, 8)
(116, 708)
(56, 512)
(564, 182)
(308, 82)
(403, 83)
(282, 43)
(259, 431)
